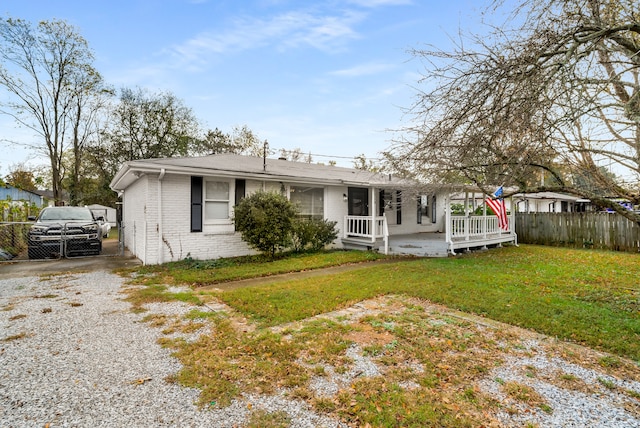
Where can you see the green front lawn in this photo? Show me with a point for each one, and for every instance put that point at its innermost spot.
(588, 297)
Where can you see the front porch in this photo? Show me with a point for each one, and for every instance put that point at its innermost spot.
(462, 233)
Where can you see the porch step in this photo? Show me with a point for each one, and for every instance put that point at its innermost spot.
(361, 244)
(400, 246)
(425, 250)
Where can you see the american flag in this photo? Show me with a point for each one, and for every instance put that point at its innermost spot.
(499, 208)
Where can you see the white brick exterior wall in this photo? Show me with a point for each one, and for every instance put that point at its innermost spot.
(143, 224)
(133, 217)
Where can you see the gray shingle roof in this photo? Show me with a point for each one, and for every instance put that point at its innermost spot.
(252, 167)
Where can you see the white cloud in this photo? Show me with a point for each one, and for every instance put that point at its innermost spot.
(363, 70)
(378, 3)
(288, 30)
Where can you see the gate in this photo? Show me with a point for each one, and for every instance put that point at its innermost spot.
(22, 241)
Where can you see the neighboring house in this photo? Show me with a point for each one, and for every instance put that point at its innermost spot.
(14, 194)
(541, 202)
(108, 213)
(550, 202)
(179, 207)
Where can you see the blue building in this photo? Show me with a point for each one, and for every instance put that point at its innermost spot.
(11, 193)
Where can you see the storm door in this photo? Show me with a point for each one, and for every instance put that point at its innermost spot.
(358, 201)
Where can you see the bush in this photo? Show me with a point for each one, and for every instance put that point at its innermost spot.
(312, 234)
(265, 221)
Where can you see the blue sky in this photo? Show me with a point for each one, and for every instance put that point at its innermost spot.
(328, 77)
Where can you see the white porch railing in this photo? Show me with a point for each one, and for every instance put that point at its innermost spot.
(474, 231)
(463, 227)
(365, 227)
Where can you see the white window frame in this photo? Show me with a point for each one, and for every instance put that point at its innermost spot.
(230, 201)
(324, 197)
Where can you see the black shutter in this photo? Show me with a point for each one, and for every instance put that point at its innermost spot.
(434, 211)
(196, 204)
(240, 190)
(381, 207)
(419, 212)
(398, 207)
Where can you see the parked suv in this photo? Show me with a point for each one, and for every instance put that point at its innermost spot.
(64, 231)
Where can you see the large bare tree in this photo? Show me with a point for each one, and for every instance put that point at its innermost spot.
(47, 72)
(540, 103)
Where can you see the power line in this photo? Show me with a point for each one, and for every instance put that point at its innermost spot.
(327, 156)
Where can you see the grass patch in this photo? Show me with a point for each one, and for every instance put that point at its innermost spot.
(545, 289)
(139, 296)
(577, 295)
(227, 362)
(262, 419)
(523, 393)
(584, 296)
(206, 272)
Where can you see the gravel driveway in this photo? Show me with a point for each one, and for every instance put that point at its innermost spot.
(73, 354)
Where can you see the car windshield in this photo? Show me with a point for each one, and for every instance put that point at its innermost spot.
(66, 213)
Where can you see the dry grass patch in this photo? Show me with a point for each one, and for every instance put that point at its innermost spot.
(525, 394)
(263, 419)
(17, 317)
(45, 296)
(139, 296)
(429, 364)
(569, 382)
(423, 377)
(15, 337)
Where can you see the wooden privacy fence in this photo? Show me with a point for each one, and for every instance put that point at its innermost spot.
(579, 230)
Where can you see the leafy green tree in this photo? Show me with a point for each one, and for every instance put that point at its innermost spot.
(241, 141)
(146, 125)
(21, 178)
(142, 125)
(265, 221)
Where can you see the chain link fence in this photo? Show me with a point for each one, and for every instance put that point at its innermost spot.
(22, 241)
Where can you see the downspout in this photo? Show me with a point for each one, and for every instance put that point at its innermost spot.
(160, 248)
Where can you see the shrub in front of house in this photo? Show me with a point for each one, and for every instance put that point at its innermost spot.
(265, 221)
(312, 234)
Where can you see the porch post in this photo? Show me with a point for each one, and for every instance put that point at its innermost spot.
(447, 223)
(373, 214)
(345, 226)
(484, 221)
(467, 219)
(513, 223)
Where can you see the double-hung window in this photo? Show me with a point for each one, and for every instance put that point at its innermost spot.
(308, 200)
(216, 201)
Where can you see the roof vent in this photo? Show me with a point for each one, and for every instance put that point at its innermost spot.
(282, 158)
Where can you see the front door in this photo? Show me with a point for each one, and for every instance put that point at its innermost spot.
(358, 201)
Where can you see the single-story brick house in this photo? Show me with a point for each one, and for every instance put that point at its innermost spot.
(179, 207)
